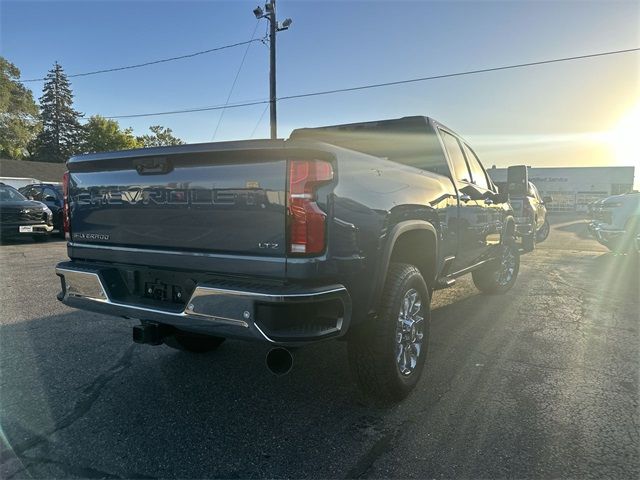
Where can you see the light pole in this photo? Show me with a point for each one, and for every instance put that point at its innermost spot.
(274, 27)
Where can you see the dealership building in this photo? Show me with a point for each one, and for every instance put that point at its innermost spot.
(572, 188)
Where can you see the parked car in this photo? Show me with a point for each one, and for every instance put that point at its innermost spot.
(17, 182)
(341, 231)
(20, 217)
(593, 213)
(51, 195)
(530, 212)
(615, 222)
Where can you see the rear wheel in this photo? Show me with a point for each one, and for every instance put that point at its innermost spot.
(543, 233)
(191, 342)
(387, 353)
(499, 275)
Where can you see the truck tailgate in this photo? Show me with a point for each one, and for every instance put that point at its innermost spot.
(230, 201)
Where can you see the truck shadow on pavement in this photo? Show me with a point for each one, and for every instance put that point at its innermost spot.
(79, 399)
(98, 400)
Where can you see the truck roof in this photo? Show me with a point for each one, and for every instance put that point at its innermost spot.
(408, 140)
(403, 124)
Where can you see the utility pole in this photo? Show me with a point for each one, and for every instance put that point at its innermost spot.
(274, 27)
(272, 69)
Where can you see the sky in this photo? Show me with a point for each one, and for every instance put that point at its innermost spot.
(568, 114)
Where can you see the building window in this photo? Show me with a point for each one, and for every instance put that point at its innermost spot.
(619, 188)
(563, 201)
(583, 199)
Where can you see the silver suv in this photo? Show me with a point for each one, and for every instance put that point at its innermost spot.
(615, 222)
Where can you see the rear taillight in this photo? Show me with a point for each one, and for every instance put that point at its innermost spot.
(66, 220)
(306, 219)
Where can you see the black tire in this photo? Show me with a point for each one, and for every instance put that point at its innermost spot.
(376, 351)
(543, 233)
(529, 243)
(191, 342)
(499, 275)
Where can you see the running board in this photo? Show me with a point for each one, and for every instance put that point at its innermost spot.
(444, 282)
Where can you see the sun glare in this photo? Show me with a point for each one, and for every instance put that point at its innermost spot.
(625, 141)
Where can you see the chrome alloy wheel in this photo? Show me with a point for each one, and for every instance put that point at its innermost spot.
(507, 266)
(409, 332)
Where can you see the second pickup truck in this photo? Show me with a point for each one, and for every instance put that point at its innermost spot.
(341, 231)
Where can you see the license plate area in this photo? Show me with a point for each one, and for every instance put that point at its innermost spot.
(153, 288)
(164, 292)
(26, 228)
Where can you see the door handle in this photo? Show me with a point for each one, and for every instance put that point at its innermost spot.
(464, 197)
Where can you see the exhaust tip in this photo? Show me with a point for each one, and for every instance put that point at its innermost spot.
(279, 361)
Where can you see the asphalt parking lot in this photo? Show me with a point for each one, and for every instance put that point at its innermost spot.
(540, 382)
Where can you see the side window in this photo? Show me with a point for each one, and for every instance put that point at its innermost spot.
(460, 170)
(34, 192)
(49, 192)
(478, 175)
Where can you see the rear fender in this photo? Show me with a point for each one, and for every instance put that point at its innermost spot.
(426, 259)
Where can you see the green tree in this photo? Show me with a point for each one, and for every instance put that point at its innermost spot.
(18, 113)
(102, 134)
(160, 137)
(61, 133)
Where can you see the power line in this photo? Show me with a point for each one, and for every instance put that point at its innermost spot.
(385, 84)
(459, 74)
(235, 80)
(154, 62)
(192, 110)
(253, 132)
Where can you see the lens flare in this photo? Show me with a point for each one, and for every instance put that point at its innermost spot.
(624, 137)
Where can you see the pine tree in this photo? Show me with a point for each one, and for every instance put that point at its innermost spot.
(61, 134)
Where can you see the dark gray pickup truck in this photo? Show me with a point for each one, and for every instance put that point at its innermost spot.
(341, 231)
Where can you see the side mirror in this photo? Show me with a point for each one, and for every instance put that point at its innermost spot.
(517, 180)
(50, 199)
(547, 199)
(472, 192)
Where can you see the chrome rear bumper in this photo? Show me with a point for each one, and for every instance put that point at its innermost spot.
(220, 311)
